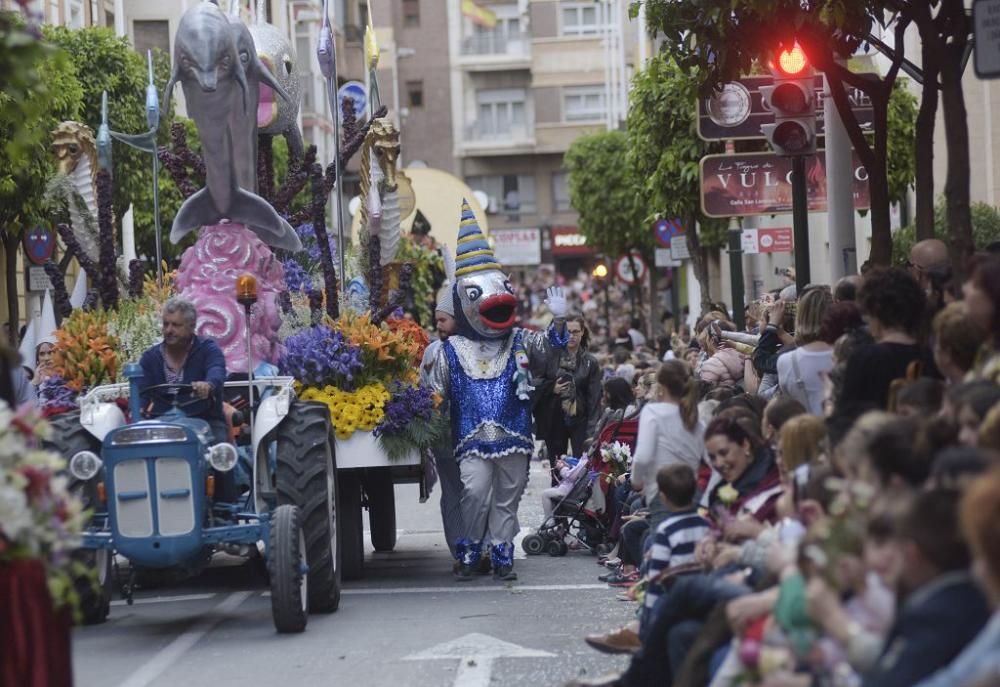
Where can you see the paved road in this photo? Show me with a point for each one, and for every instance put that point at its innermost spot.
(406, 623)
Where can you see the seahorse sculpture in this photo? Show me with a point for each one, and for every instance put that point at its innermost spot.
(379, 190)
(75, 151)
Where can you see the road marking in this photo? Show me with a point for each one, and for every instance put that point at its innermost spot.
(476, 653)
(457, 589)
(169, 655)
(165, 599)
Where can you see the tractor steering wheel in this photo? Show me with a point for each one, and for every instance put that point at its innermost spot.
(169, 392)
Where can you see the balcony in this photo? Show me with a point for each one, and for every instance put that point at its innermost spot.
(496, 50)
(482, 139)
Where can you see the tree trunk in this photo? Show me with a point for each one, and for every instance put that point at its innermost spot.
(930, 51)
(700, 264)
(924, 143)
(10, 246)
(956, 128)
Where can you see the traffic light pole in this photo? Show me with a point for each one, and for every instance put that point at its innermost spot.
(736, 262)
(800, 222)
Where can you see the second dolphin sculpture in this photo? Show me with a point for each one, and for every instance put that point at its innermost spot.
(220, 75)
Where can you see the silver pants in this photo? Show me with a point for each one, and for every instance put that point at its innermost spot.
(450, 481)
(491, 493)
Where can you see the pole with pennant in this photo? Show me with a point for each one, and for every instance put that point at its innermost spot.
(326, 53)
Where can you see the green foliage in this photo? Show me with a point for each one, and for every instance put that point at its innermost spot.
(723, 38)
(985, 229)
(664, 150)
(106, 62)
(602, 188)
(901, 158)
(427, 266)
(38, 89)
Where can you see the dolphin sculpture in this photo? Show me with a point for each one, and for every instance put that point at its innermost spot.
(219, 83)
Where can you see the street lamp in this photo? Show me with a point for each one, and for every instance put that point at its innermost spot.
(600, 273)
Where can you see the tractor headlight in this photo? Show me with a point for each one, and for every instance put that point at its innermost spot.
(223, 457)
(84, 465)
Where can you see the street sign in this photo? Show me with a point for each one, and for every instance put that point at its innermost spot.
(356, 91)
(664, 257)
(760, 184)
(665, 229)
(39, 244)
(773, 240)
(517, 246)
(679, 248)
(623, 268)
(986, 27)
(738, 111)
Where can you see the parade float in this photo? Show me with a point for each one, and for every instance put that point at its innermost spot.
(284, 299)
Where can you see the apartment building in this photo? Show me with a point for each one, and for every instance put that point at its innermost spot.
(76, 14)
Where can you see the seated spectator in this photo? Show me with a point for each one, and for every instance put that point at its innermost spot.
(724, 364)
(972, 411)
(980, 518)
(920, 398)
(778, 411)
(943, 609)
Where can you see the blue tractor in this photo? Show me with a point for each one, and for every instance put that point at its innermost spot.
(166, 497)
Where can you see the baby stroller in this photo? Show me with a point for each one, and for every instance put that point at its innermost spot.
(571, 516)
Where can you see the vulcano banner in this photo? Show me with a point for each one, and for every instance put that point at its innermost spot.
(760, 184)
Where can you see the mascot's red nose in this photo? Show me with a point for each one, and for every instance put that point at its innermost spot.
(499, 311)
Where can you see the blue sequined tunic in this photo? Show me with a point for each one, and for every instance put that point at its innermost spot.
(488, 420)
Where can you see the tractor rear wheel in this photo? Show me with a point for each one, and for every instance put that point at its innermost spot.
(95, 588)
(286, 562)
(307, 478)
(381, 508)
(351, 525)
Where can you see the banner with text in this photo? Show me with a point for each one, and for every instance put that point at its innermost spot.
(517, 246)
(760, 184)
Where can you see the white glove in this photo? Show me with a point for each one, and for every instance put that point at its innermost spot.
(556, 302)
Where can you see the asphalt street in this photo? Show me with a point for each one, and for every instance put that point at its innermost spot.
(406, 623)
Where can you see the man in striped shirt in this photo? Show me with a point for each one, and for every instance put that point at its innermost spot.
(675, 539)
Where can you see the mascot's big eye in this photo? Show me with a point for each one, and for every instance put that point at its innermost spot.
(507, 286)
(473, 292)
(244, 57)
(288, 64)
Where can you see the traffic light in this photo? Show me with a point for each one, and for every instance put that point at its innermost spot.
(793, 102)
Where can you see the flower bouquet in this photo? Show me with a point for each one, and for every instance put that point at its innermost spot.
(367, 375)
(616, 456)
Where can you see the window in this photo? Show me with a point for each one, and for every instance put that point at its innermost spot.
(505, 37)
(581, 19)
(560, 192)
(151, 35)
(415, 93)
(512, 194)
(95, 13)
(74, 16)
(304, 46)
(501, 112)
(411, 12)
(584, 104)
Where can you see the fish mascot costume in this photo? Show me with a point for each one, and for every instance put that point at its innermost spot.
(483, 373)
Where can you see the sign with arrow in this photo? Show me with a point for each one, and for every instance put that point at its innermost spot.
(476, 654)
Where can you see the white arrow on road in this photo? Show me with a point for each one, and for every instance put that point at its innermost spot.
(476, 653)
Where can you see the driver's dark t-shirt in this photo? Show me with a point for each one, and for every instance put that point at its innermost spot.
(205, 363)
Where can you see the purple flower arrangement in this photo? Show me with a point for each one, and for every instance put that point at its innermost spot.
(297, 279)
(406, 405)
(319, 356)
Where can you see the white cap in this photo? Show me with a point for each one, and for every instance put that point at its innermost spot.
(28, 345)
(47, 327)
(445, 302)
(79, 294)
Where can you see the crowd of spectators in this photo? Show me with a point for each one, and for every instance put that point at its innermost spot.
(814, 500)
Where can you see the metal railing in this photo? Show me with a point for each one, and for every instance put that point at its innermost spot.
(496, 43)
(478, 132)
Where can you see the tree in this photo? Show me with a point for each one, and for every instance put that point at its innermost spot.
(985, 229)
(38, 89)
(664, 152)
(602, 189)
(722, 39)
(108, 63)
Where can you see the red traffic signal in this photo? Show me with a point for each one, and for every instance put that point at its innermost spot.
(792, 62)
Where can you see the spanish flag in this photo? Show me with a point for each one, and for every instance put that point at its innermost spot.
(479, 15)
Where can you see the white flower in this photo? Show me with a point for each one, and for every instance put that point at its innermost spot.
(15, 517)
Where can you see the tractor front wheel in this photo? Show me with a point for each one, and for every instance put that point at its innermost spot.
(307, 478)
(286, 565)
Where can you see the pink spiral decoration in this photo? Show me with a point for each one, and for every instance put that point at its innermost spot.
(207, 277)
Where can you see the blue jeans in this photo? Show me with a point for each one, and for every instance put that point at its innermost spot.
(673, 624)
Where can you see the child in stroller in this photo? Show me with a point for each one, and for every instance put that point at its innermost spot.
(573, 509)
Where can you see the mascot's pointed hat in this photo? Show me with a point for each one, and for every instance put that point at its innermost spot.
(473, 253)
